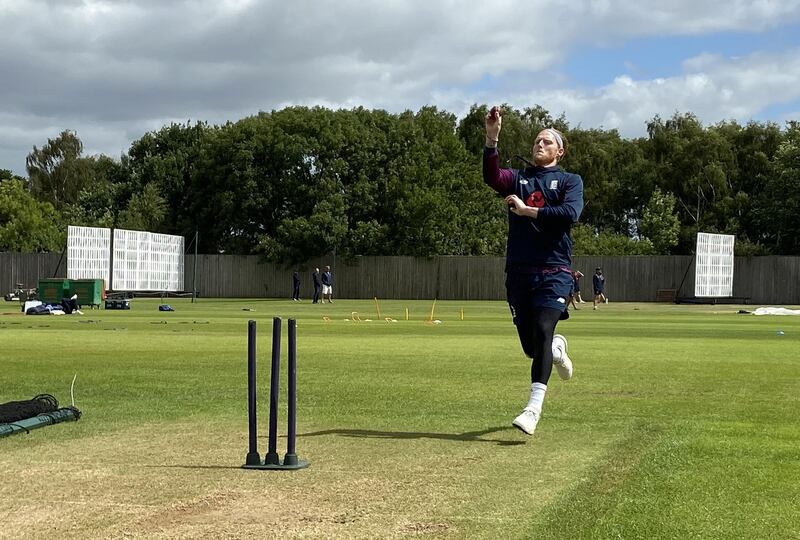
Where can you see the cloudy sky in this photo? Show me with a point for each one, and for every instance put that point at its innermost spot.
(112, 70)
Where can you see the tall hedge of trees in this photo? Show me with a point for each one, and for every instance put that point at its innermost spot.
(301, 182)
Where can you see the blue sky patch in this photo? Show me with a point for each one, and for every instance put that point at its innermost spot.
(663, 56)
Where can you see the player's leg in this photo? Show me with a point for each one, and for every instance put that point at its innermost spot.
(537, 333)
(527, 420)
(561, 359)
(572, 301)
(546, 304)
(543, 326)
(519, 291)
(550, 291)
(578, 296)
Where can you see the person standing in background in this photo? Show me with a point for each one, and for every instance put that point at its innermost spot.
(317, 285)
(599, 285)
(296, 286)
(327, 285)
(571, 300)
(576, 285)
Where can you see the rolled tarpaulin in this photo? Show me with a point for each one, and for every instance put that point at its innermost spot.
(65, 414)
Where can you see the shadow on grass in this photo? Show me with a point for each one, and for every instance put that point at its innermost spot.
(469, 436)
(230, 467)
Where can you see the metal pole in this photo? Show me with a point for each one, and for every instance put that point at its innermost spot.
(111, 283)
(194, 271)
(61, 258)
(252, 455)
(272, 457)
(291, 455)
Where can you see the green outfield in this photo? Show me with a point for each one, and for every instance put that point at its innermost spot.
(680, 422)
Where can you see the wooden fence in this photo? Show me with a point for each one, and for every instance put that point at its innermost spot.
(764, 280)
(27, 269)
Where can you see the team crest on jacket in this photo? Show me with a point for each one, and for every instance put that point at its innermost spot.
(535, 199)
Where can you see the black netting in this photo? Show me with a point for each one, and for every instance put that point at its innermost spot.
(14, 411)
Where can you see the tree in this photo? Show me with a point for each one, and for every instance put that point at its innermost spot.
(471, 129)
(697, 166)
(5, 174)
(98, 204)
(617, 180)
(659, 224)
(169, 159)
(27, 225)
(778, 205)
(145, 212)
(587, 241)
(756, 145)
(57, 172)
(303, 182)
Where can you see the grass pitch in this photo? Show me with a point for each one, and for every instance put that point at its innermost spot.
(680, 422)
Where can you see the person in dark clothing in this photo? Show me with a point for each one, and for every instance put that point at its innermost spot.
(317, 285)
(544, 201)
(70, 304)
(296, 286)
(571, 301)
(599, 285)
(575, 294)
(576, 280)
(327, 285)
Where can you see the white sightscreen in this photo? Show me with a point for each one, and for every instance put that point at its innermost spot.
(146, 261)
(88, 253)
(714, 265)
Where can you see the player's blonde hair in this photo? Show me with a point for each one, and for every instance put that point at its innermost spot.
(561, 138)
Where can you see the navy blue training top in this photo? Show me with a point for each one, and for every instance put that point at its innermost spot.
(598, 282)
(542, 242)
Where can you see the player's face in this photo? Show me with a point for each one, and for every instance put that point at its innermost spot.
(546, 151)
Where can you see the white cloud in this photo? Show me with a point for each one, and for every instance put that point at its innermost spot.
(727, 89)
(679, 17)
(108, 68)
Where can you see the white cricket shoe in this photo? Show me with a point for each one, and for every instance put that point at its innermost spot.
(560, 359)
(526, 421)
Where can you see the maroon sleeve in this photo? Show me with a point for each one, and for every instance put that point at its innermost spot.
(500, 180)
